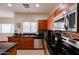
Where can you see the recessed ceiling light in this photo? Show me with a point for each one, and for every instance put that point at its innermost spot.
(37, 5)
(9, 5)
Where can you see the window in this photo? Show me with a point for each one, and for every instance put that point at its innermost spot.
(0, 28)
(7, 28)
(12, 28)
(33, 26)
(30, 27)
(26, 27)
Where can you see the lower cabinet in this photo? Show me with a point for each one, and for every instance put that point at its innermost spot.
(23, 42)
(11, 51)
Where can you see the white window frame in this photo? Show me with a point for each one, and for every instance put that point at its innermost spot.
(11, 30)
(30, 27)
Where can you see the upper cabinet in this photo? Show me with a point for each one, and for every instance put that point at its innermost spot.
(66, 20)
(42, 24)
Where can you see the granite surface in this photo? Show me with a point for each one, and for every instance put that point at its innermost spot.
(6, 46)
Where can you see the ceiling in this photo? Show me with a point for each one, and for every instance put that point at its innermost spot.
(19, 8)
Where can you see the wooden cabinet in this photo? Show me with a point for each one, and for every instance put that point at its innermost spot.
(23, 42)
(26, 42)
(42, 24)
(13, 39)
(12, 51)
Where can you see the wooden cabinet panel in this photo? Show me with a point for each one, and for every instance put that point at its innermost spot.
(25, 45)
(12, 51)
(23, 42)
(26, 42)
(13, 39)
(42, 24)
(25, 39)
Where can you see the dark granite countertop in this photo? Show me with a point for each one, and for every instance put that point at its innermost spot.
(71, 45)
(6, 46)
(71, 42)
(68, 46)
(33, 36)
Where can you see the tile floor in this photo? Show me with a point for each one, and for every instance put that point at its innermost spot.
(30, 52)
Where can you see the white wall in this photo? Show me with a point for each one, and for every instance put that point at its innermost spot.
(29, 17)
(23, 17)
(3, 20)
(6, 13)
(6, 16)
(19, 18)
(6, 20)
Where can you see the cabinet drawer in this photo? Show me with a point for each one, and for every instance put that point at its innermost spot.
(26, 45)
(13, 39)
(22, 42)
(26, 39)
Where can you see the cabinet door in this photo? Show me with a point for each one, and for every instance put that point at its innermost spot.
(42, 24)
(13, 39)
(12, 51)
(26, 42)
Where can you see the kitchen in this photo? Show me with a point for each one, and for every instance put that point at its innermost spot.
(23, 27)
